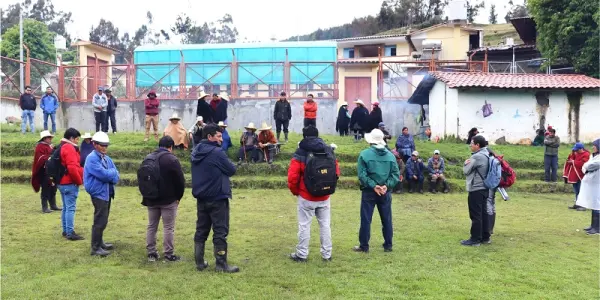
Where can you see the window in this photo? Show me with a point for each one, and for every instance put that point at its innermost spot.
(351, 53)
(390, 51)
(393, 51)
(348, 52)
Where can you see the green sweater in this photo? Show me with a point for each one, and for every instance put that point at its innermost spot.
(377, 167)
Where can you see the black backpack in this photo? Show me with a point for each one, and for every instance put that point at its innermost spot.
(320, 177)
(148, 176)
(54, 167)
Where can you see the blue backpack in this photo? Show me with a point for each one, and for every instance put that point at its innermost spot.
(494, 175)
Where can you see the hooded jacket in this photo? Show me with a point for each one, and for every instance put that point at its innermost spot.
(43, 151)
(70, 159)
(282, 111)
(298, 165)
(152, 105)
(573, 171)
(377, 166)
(343, 121)
(49, 104)
(360, 117)
(310, 109)
(226, 144)
(476, 170)
(99, 174)
(203, 110)
(211, 170)
(405, 144)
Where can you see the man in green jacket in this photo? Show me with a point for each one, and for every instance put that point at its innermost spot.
(378, 174)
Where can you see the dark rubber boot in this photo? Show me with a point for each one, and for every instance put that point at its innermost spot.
(201, 264)
(492, 220)
(53, 206)
(432, 187)
(411, 184)
(286, 136)
(591, 223)
(99, 252)
(221, 263)
(421, 187)
(278, 136)
(446, 189)
(45, 206)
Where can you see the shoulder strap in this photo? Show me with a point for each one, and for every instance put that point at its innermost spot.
(488, 162)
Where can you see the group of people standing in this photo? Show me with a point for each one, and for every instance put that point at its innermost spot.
(361, 121)
(28, 104)
(105, 110)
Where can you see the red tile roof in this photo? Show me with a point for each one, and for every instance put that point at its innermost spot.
(517, 81)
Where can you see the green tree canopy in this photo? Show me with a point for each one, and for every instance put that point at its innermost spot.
(568, 31)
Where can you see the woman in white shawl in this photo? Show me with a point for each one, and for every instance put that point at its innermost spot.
(589, 195)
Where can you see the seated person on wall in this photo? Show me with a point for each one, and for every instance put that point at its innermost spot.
(386, 134)
(195, 131)
(414, 172)
(177, 132)
(436, 167)
(248, 144)
(226, 144)
(539, 138)
(267, 142)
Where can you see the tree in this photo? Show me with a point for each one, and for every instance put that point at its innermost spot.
(516, 11)
(40, 10)
(493, 15)
(568, 31)
(473, 9)
(222, 32)
(40, 42)
(106, 33)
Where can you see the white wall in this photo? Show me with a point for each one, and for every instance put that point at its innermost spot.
(516, 114)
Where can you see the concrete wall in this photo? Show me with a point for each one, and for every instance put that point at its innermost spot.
(516, 114)
(455, 41)
(398, 114)
(131, 115)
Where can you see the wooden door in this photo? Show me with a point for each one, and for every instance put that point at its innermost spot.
(357, 88)
(92, 84)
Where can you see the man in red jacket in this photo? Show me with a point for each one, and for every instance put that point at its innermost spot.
(309, 205)
(151, 104)
(70, 182)
(310, 111)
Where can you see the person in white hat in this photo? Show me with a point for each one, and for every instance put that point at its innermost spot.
(248, 144)
(86, 147)
(436, 167)
(218, 106)
(414, 173)
(359, 122)
(343, 120)
(203, 110)
(99, 178)
(39, 177)
(177, 132)
(226, 144)
(267, 142)
(378, 174)
(196, 131)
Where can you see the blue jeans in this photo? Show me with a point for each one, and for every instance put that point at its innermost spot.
(27, 114)
(550, 166)
(368, 202)
(69, 193)
(576, 188)
(52, 118)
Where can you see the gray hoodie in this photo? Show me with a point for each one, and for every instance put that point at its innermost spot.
(476, 170)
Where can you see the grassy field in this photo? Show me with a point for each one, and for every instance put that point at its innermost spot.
(537, 252)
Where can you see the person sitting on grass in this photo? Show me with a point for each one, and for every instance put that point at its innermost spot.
(177, 132)
(267, 142)
(195, 131)
(539, 138)
(436, 167)
(226, 144)
(248, 144)
(386, 134)
(414, 173)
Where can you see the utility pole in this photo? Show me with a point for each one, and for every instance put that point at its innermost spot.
(21, 71)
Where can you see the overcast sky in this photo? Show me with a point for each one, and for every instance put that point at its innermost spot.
(256, 20)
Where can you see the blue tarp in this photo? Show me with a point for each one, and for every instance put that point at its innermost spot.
(421, 94)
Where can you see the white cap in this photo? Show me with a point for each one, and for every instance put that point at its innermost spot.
(100, 138)
(199, 118)
(375, 137)
(436, 152)
(415, 153)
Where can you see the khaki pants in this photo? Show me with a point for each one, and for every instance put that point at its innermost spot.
(168, 214)
(151, 120)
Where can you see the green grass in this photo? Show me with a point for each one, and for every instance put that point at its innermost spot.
(537, 252)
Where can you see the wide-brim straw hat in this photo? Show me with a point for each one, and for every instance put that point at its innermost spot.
(224, 96)
(265, 127)
(250, 126)
(375, 137)
(222, 124)
(86, 135)
(202, 95)
(45, 134)
(174, 117)
(358, 101)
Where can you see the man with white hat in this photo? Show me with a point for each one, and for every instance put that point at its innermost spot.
(39, 177)
(203, 110)
(196, 131)
(248, 144)
(436, 167)
(378, 174)
(176, 131)
(267, 142)
(359, 122)
(99, 177)
(86, 147)
(414, 172)
(226, 144)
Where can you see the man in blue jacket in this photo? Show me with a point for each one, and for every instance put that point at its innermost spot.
(211, 187)
(49, 105)
(99, 177)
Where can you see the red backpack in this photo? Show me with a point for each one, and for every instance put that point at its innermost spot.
(509, 177)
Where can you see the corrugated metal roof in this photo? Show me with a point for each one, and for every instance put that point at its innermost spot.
(163, 47)
(517, 81)
(358, 61)
(371, 37)
(503, 47)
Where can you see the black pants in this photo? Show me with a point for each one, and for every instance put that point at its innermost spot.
(101, 211)
(213, 214)
(111, 116)
(308, 122)
(279, 124)
(480, 224)
(344, 131)
(48, 193)
(368, 203)
(101, 121)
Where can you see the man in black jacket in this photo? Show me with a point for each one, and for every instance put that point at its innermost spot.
(282, 115)
(171, 192)
(203, 110)
(211, 187)
(111, 111)
(28, 105)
